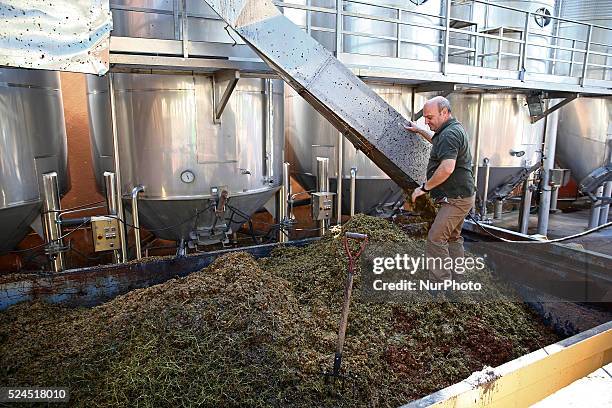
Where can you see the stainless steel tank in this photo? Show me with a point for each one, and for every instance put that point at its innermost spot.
(169, 143)
(584, 135)
(359, 31)
(161, 19)
(574, 35)
(32, 142)
(493, 20)
(309, 135)
(360, 41)
(507, 137)
(584, 132)
(320, 24)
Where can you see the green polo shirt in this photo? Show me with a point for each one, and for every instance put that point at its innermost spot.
(451, 142)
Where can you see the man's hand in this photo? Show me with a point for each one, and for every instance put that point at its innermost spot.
(417, 193)
(412, 127)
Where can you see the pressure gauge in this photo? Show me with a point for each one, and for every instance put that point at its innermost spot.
(187, 176)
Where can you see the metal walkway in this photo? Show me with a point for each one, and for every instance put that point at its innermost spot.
(463, 55)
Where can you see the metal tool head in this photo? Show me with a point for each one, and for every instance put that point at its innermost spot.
(355, 235)
(337, 380)
(353, 256)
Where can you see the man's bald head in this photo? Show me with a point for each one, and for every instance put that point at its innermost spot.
(441, 103)
(436, 112)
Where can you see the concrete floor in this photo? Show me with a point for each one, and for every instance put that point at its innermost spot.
(593, 391)
(565, 224)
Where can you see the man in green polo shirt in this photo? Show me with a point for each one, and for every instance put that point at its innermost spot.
(449, 181)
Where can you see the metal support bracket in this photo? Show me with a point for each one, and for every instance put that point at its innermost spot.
(436, 87)
(219, 104)
(552, 109)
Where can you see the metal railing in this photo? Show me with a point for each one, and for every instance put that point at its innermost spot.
(503, 48)
(560, 59)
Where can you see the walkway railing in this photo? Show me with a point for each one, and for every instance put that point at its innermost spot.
(450, 38)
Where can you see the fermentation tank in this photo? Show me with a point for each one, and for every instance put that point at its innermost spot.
(360, 32)
(574, 35)
(170, 144)
(320, 23)
(32, 142)
(508, 23)
(161, 19)
(507, 137)
(422, 46)
(585, 124)
(309, 136)
(169, 141)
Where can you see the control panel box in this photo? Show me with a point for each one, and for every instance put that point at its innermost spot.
(322, 206)
(105, 233)
(559, 177)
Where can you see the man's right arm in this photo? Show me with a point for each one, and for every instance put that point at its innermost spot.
(412, 127)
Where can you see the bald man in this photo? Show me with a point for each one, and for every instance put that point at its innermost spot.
(450, 183)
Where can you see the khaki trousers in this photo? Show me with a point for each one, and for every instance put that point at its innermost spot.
(444, 239)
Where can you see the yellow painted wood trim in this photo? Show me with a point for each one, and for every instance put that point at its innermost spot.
(522, 383)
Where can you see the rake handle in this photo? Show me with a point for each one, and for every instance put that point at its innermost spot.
(348, 289)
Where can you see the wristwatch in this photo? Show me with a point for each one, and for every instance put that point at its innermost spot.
(424, 189)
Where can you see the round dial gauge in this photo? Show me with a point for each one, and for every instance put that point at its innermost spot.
(187, 176)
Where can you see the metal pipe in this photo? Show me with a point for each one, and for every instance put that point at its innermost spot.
(605, 209)
(550, 145)
(185, 30)
(308, 17)
(477, 137)
(497, 209)
(181, 248)
(523, 57)
(412, 104)
(571, 67)
(282, 203)
(110, 184)
(339, 26)
(398, 45)
(269, 129)
(52, 230)
(485, 193)
(175, 18)
(118, 196)
(353, 188)
(447, 16)
(339, 163)
(555, 37)
(288, 191)
(596, 209)
(135, 222)
(525, 207)
(73, 222)
(607, 191)
(554, 199)
(587, 52)
(323, 186)
(499, 47)
(322, 174)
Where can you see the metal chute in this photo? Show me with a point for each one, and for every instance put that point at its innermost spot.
(369, 122)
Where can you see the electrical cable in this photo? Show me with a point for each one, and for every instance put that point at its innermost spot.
(78, 207)
(47, 243)
(165, 228)
(580, 234)
(64, 212)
